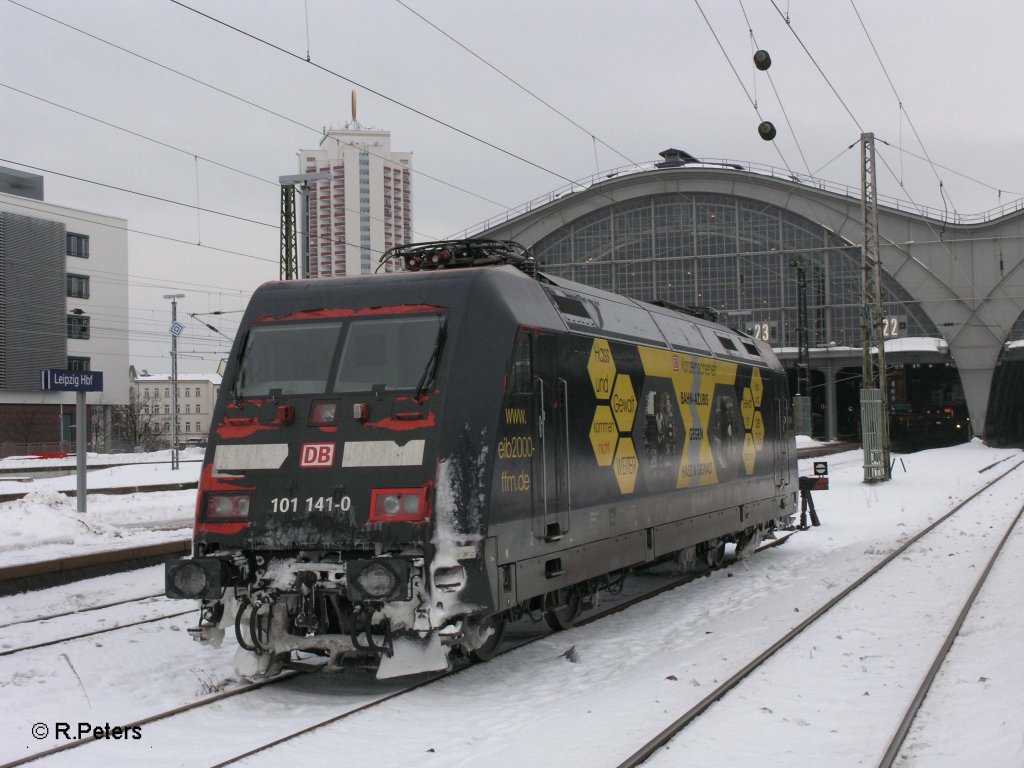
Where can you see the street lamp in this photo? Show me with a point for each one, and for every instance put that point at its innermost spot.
(176, 330)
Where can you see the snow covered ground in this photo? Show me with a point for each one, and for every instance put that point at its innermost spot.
(45, 525)
(629, 676)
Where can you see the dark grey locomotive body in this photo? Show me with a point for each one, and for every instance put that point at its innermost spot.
(398, 465)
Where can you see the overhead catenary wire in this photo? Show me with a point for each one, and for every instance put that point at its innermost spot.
(789, 25)
(899, 99)
(186, 152)
(238, 98)
(904, 151)
(375, 92)
(518, 85)
(179, 203)
(775, 90)
(879, 155)
(728, 59)
(143, 232)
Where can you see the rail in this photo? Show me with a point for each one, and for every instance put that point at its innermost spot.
(663, 738)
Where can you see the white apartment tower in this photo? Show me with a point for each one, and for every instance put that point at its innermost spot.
(364, 208)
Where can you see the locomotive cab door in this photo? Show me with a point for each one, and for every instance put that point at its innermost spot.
(552, 484)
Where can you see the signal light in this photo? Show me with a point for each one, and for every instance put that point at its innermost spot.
(399, 505)
(227, 506)
(323, 414)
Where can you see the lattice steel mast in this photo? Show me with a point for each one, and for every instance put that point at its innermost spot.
(874, 400)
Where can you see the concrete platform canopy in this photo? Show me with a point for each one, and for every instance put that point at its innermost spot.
(726, 235)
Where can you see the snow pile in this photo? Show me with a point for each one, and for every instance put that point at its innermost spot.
(41, 518)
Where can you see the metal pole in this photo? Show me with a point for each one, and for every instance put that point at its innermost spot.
(802, 420)
(874, 395)
(174, 377)
(80, 457)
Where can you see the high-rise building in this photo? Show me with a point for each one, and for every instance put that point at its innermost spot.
(364, 208)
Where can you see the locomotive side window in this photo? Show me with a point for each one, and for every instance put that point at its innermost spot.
(393, 352)
(292, 357)
(522, 368)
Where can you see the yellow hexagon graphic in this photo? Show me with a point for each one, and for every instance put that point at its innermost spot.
(626, 465)
(747, 408)
(748, 453)
(757, 387)
(601, 368)
(603, 435)
(624, 403)
(757, 431)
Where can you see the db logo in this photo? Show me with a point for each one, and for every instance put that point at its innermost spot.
(317, 455)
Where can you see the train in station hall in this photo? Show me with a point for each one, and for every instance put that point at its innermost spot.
(401, 465)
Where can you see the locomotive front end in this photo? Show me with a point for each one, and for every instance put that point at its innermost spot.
(314, 517)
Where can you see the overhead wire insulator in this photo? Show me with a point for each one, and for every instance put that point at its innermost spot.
(762, 60)
(766, 131)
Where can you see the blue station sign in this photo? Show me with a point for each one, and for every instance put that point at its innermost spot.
(71, 381)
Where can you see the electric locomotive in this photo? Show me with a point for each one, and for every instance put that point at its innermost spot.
(400, 465)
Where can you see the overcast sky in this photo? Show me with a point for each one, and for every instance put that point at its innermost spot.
(639, 77)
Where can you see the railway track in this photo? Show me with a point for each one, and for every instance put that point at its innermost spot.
(330, 702)
(79, 611)
(42, 633)
(732, 704)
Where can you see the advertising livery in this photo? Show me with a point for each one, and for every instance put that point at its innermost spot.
(398, 466)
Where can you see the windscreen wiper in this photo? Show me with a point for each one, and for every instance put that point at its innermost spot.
(428, 372)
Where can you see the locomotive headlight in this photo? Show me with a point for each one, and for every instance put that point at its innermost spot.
(399, 505)
(391, 505)
(190, 580)
(377, 580)
(386, 579)
(196, 578)
(227, 506)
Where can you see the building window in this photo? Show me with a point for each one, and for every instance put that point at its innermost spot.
(78, 245)
(188, 408)
(78, 286)
(79, 363)
(167, 391)
(197, 407)
(78, 327)
(147, 393)
(167, 409)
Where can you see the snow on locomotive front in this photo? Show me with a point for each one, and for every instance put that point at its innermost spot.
(335, 513)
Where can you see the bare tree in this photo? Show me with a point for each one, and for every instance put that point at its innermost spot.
(134, 424)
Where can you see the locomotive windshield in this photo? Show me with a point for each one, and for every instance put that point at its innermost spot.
(298, 358)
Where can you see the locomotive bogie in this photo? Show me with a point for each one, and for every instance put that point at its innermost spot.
(400, 466)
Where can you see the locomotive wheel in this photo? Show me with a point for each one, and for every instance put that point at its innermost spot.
(715, 554)
(563, 618)
(489, 647)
